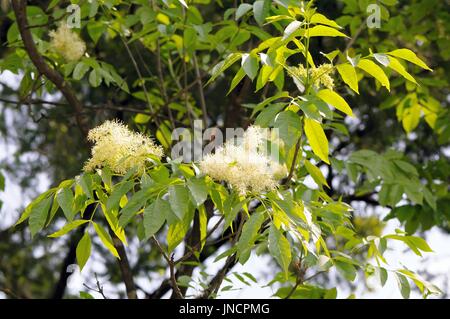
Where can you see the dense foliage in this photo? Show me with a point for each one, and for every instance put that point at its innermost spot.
(361, 113)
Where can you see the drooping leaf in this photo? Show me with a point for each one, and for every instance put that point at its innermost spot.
(334, 99)
(317, 139)
(242, 10)
(250, 65)
(395, 65)
(154, 217)
(179, 200)
(38, 215)
(375, 71)
(83, 250)
(280, 249)
(410, 56)
(248, 235)
(65, 199)
(348, 74)
(316, 174)
(198, 190)
(68, 227)
(106, 239)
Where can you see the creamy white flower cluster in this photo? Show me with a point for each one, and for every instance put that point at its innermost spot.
(67, 43)
(120, 149)
(245, 166)
(321, 76)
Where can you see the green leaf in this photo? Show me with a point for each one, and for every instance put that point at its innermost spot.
(411, 118)
(30, 208)
(106, 239)
(65, 199)
(85, 295)
(38, 215)
(291, 28)
(280, 249)
(83, 250)
(95, 78)
(289, 126)
(178, 231)
(154, 217)
(347, 270)
(316, 174)
(243, 9)
(136, 202)
(420, 243)
(222, 66)
(250, 65)
(323, 31)
(80, 70)
(85, 181)
(95, 30)
(375, 71)
(260, 10)
(119, 190)
(348, 74)
(332, 98)
(179, 200)
(410, 56)
(395, 65)
(317, 139)
(403, 285)
(198, 189)
(2, 182)
(203, 221)
(69, 227)
(248, 235)
(383, 276)
(236, 80)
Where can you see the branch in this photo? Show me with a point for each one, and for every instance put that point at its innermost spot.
(173, 279)
(294, 161)
(200, 91)
(124, 266)
(99, 288)
(215, 283)
(19, 7)
(231, 261)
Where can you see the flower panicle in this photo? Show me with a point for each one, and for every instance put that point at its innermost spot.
(67, 43)
(245, 167)
(120, 149)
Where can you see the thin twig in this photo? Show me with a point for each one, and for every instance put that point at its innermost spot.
(200, 91)
(99, 288)
(171, 263)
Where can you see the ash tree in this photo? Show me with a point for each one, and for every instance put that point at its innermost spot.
(107, 82)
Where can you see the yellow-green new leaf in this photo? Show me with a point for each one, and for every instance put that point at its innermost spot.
(332, 98)
(348, 74)
(316, 174)
(83, 250)
(68, 227)
(374, 70)
(318, 18)
(411, 118)
(395, 65)
(410, 56)
(106, 239)
(323, 31)
(317, 139)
